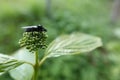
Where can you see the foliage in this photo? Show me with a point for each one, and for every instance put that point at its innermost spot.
(64, 45)
(7, 63)
(88, 16)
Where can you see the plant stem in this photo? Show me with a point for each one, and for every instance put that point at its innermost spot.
(36, 66)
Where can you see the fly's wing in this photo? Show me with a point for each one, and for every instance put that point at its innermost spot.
(26, 27)
(29, 28)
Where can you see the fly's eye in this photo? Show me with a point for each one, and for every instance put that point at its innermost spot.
(41, 28)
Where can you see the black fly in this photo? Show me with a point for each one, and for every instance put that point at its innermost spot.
(38, 28)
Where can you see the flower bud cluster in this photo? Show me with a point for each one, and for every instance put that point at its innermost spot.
(33, 40)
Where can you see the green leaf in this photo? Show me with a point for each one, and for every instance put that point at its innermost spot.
(24, 55)
(72, 44)
(7, 63)
(25, 71)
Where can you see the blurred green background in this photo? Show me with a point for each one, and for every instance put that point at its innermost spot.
(64, 17)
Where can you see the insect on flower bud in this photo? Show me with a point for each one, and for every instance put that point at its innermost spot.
(34, 38)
